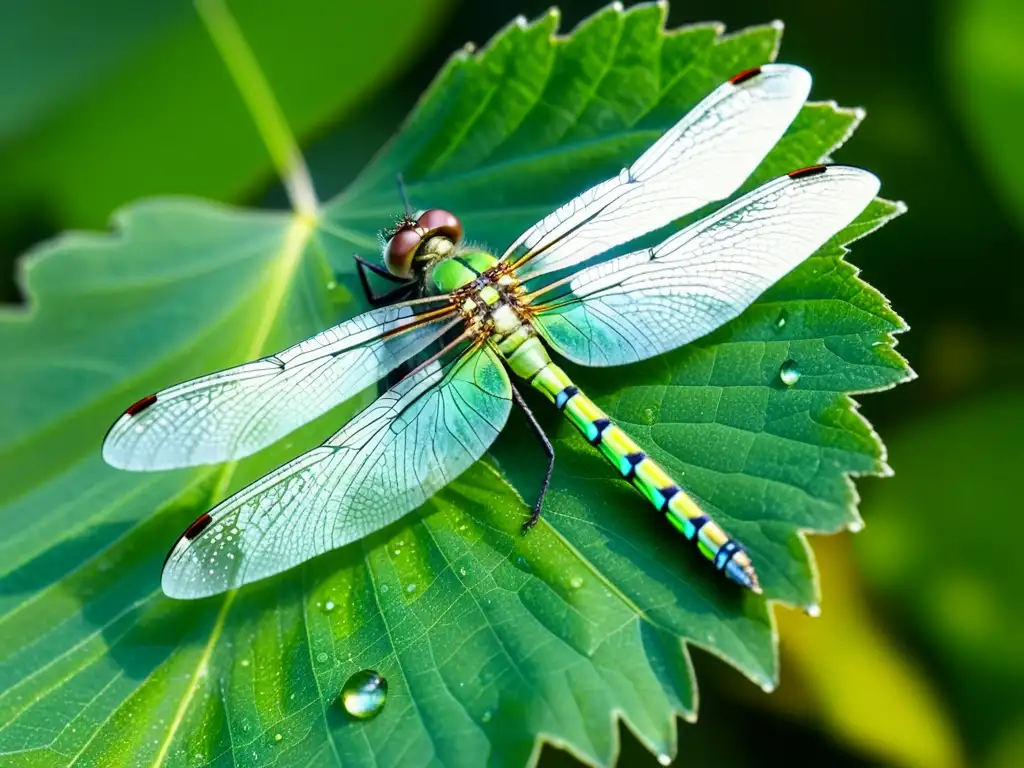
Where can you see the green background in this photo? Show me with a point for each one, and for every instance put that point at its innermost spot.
(915, 660)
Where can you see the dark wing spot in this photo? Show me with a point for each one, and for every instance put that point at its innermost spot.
(197, 527)
(745, 75)
(136, 408)
(811, 170)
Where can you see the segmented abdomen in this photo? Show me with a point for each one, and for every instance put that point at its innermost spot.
(648, 477)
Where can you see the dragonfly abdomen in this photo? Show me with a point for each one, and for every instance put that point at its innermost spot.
(646, 475)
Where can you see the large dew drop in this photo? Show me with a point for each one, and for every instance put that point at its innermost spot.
(364, 694)
(789, 373)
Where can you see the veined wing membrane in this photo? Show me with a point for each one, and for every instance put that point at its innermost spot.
(238, 411)
(648, 302)
(388, 460)
(705, 157)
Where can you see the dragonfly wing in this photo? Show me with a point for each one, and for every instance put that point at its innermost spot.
(705, 157)
(388, 460)
(236, 412)
(648, 302)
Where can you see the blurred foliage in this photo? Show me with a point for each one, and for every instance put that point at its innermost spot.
(941, 82)
(940, 558)
(986, 76)
(146, 106)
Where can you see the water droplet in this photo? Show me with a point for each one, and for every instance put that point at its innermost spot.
(856, 526)
(648, 415)
(789, 373)
(245, 662)
(780, 321)
(462, 571)
(665, 759)
(767, 687)
(384, 588)
(486, 716)
(814, 611)
(398, 552)
(411, 588)
(278, 737)
(329, 606)
(576, 582)
(245, 726)
(331, 285)
(322, 656)
(364, 694)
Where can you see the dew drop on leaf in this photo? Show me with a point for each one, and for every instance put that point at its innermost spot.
(780, 321)
(665, 759)
(576, 582)
(278, 737)
(789, 373)
(321, 657)
(364, 694)
(329, 606)
(411, 588)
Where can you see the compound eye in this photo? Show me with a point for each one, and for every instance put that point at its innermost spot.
(400, 250)
(437, 221)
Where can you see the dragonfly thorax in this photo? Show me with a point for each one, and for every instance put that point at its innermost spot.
(462, 270)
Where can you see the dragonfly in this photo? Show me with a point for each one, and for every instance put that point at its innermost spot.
(479, 326)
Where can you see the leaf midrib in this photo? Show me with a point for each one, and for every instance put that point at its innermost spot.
(280, 279)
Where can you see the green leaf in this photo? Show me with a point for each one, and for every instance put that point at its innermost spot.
(151, 108)
(486, 637)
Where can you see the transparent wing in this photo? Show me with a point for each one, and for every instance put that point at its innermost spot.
(705, 157)
(416, 438)
(651, 301)
(236, 412)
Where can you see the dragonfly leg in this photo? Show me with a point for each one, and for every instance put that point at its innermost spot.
(403, 291)
(549, 450)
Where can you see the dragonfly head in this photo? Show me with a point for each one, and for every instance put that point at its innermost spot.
(416, 243)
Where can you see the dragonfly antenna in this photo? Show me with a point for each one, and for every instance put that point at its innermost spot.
(404, 194)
